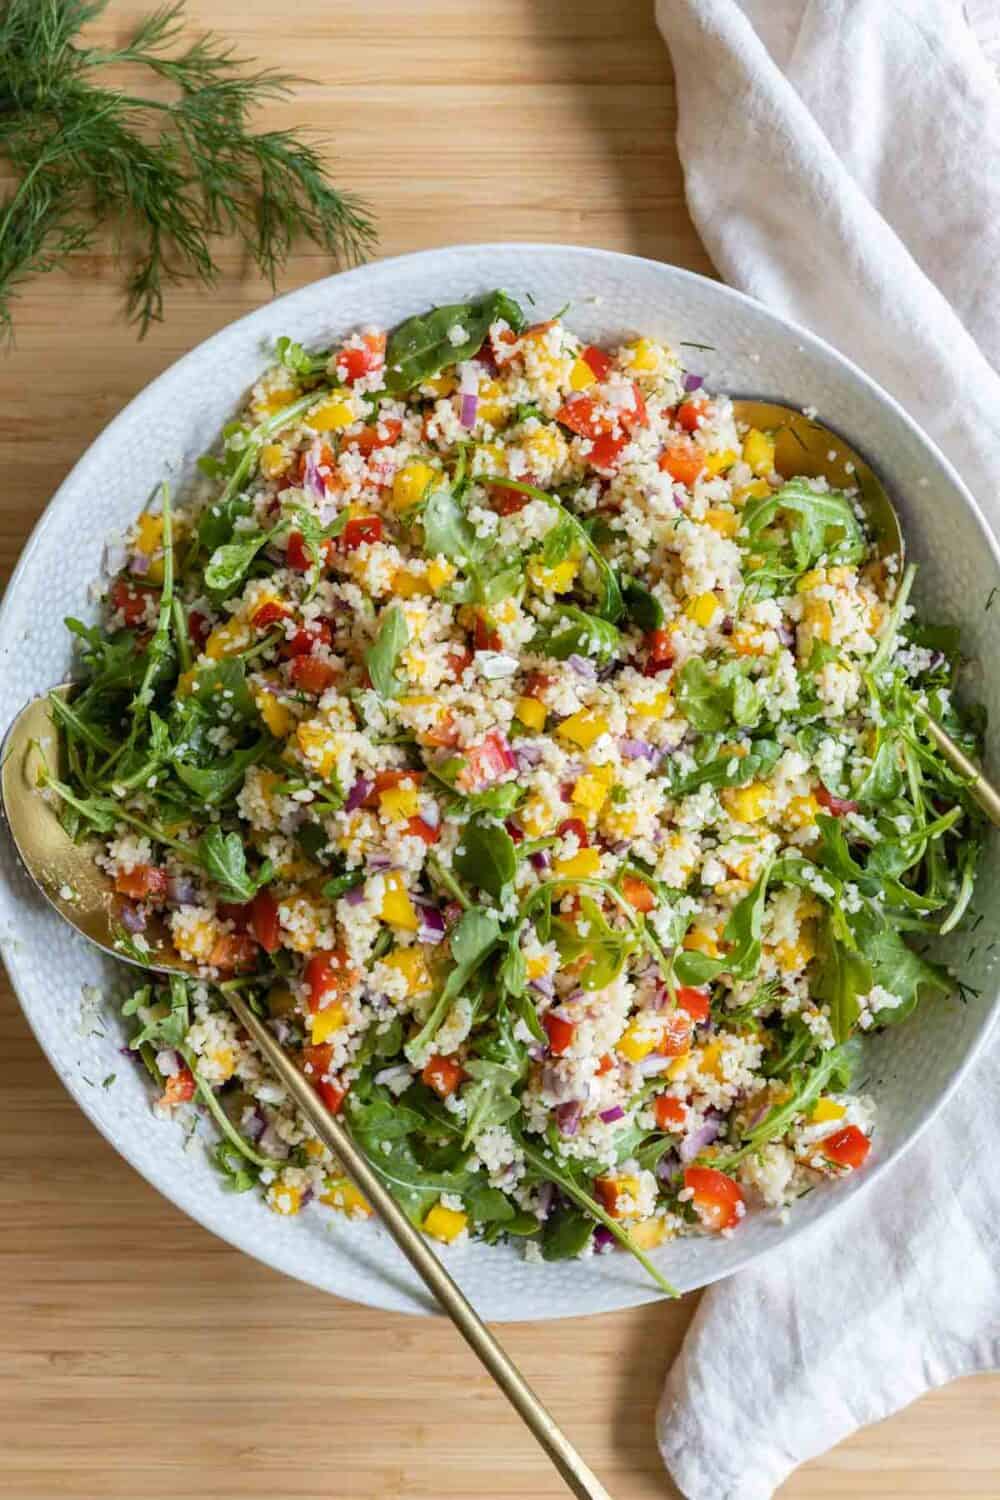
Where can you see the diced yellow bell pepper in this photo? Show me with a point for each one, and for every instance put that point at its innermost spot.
(791, 957)
(490, 407)
(274, 460)
(397, 908)
(648, 1233)
(400, 802)
(558, 579)
(758, 451)
(538, 816)
(531, 713)
(643, 355)
(618, 822)
(810, 580)
(816, 614)
(284, 1199)
(582, 865)
(439, 574)
(748, 804)
(537, 967)
(702, 609)
(583, 728)
(653, 707)
(279, 720)
(149, 533)
(185, 683)
(411, 964)
(700, 940)
(407, 585)
(440, 385)
(678, 1067)
(317, 746)
(227, 640)
(224, 1060)
(341, 1194)
(330, 415)
(490, 458)
(721, 460)
(325, 1023)
(445, 1224)
(638, 1040)
(546, 445)
(591, 789)
(710, 1060)
(725, 522)
(826, 1110)
(313, 1149)
(757, 489)
(581, 375)
(801, 811)
(410, 483)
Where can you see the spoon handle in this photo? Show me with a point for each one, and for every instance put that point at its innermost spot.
(981, 790)
(583, 1483)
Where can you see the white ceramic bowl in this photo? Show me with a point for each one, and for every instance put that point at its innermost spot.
(749, 351)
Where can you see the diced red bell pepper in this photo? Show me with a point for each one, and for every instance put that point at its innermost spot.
(328, 974)
(233, 951)
(583, 415)
(609, 1192)
(331, 1094)
(560, 1033)
(131, 602)
(516, 834)
(669, 1113)
(383, 780)
(485, 763)
(199, 628)
(638, 894)
(307, 638)
(695, 1002)
(269, 614)
(607, 449)
(505, 501)
(605, 1065)
(848, 1147)
(237, 912)
(298, 554)
(717, 1198)
(636, 415)
(683, 460)
(179, 1088)
(690, 413)
(264, 921)
(839, 806)
(360, 530)
(485, 636)
(354, 362)
(314, 1061)
(575, 826)
(676, 1036)
(382, 435)
(659, 652)
(142, 883)
(312, 675)
(417, 828)
(599, 360)
(443, 735)
(442, 1074)
(458, 661)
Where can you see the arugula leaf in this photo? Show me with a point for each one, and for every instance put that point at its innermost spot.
(896, 967)
(214, 784)
(490, 1098)
(573, 632)
(384, 653)
(223, 857)
(229, 564)
(447, 530)
(844, 978)
(486, 857)
(567, 1232)
(726, 769)
(605, 948)
(823, 524)
(642, 607)
(421, 347)
(742, 935)
(295, 358)
(715, 699)
(336, 887)
(476, 934)
(836, 1065)
(240, 1175)
(603, 581)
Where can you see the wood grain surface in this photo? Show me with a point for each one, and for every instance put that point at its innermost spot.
(140, 1357)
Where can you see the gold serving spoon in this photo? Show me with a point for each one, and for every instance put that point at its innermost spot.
(805, 446)
(66, 875)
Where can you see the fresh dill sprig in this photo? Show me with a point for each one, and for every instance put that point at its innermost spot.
(169, 174)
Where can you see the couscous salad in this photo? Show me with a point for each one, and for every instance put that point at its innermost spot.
(544, 766)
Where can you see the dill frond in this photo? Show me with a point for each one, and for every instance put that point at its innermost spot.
(168, 175)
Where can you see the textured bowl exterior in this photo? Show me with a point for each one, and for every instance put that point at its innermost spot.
(911, 1069)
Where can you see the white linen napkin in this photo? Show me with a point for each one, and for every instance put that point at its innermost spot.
(842, 163)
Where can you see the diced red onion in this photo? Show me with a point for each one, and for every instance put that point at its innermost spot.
(667, 1166)
(637, 750)
(545, 985)
(431, 928)
(582, 666)
(470, 406)
(377, 864)
(280, 1029)
(355, 895)
(693, 382)
(271, 1144)
(727, 625)
(307, 1195)
(604, 1240)
(168, 1062)
(133, 918)
(359, 791)
(757, 1115)
(540, 860)
(785, 634)
(691, 1145)
(254, 1127)
(653, 1064)
(527, 756)
(609, 1116)
(469, 391)
(546, 1193)
(568, 1117)
(182, 890)
(312, 478)
(138, 564)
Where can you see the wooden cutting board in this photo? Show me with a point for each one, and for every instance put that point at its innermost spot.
(140, 1356)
